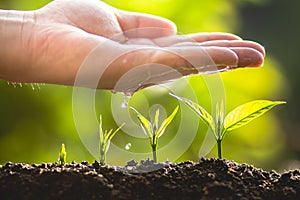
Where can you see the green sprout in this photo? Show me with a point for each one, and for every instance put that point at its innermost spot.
(238, 117)
(152, 130)
(104, 140)
(62, 156)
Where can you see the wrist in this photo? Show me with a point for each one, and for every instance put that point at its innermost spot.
(15, 40)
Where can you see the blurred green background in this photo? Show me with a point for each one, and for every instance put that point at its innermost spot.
(36, 119)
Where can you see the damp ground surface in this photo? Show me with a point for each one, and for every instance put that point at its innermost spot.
(206, 179)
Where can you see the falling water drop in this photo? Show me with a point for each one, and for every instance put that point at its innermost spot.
(32, 86)
(126, 99)
(125, 102)
(14, 84)
(128, 146)
(38, 86)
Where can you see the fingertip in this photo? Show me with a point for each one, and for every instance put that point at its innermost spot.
(171, 25)
(256, 46)
(249, 57)
(160, 22)
(223, 57)
(236, 44)
(145, 25)
(228, 36)
(210, 36)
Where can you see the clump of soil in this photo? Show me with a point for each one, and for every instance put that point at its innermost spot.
(206, 179)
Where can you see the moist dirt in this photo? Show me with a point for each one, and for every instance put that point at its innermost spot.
(206, 179)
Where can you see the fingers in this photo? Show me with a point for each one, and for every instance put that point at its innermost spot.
(251, 54)
(141, 67)
(248, 57)
(196, 59)
(138, 25)
(128, 68)
(198, 37)
(202, 37)
(235, 43)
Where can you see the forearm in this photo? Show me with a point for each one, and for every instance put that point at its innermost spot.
(15, 42)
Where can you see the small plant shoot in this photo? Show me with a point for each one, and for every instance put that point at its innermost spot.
(62, 156)
(153, 130)
(104, 140)
(237, 118)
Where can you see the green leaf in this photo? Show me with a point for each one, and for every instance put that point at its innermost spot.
(62, 155)
(245, 113)
(145, 124)
(200, 111)
(111, 135)
(105, 147)
(219, 119)
(107, 134)
(156, 119)
(101, 133)
(105, 137)
(165, 123)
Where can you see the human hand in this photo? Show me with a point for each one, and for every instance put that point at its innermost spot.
(57, 39)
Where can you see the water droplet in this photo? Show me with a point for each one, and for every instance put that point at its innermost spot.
(128, 94)
(128, 146)
(124, 105)
(125, 101)
(14, 84)
(32, 86)
(38, 86)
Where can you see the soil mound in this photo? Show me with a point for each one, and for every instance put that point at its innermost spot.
(206, 179)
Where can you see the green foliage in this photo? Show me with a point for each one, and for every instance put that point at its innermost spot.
(238, 117)
(153, 130)
(104, 140)
(62, 157)
(245, 113)
(205, 116)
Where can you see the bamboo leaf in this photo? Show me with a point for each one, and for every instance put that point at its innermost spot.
(145, 124)
(200, 111)
(165, 123)
(245, 113)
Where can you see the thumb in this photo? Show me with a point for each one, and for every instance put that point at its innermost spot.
(140, 25)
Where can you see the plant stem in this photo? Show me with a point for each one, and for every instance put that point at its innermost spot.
(154, 152)
(102, 158)
(219, 143)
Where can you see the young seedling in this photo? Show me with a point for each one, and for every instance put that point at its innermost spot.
(62, 156)
(104, 140)
(152, 130)
(238, 117)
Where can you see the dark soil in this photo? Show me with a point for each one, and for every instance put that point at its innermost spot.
(206, 179)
